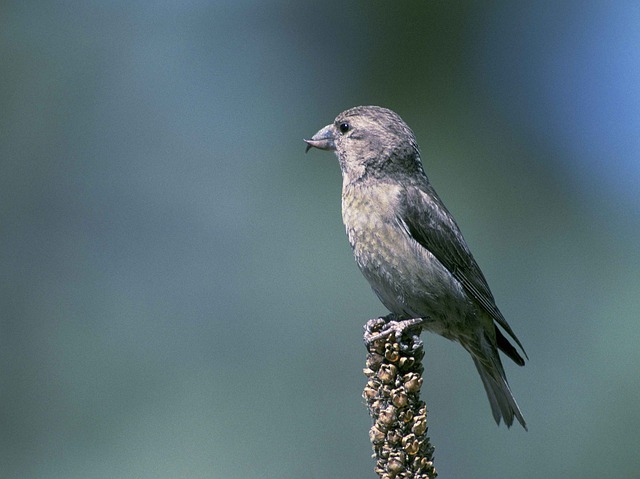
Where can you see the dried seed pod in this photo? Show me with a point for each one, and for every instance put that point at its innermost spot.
(412, 382)
(422, 463)
(394, 437)
(406, 416)
(377, 346)
(392, 355)
(395, 465)
(385, 391)
(369, 393)
(392, 352)
(399, 398)
(385, 451)
(375, 406)
(387, 416)
(406, 362)
(376, 436)
(374, 361)
(419, 426)
(387, 373)
(411, 444)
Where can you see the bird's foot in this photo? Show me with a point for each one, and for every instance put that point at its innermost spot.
(381, 328)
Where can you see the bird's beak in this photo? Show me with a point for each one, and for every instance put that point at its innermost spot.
(323, 140)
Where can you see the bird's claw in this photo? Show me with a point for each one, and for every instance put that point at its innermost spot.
(391, 327)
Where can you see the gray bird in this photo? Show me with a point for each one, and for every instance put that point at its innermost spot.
(409, 247)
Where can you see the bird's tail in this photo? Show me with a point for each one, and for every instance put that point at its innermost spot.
(503, 404)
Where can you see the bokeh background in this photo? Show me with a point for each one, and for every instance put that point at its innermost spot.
(177, 295)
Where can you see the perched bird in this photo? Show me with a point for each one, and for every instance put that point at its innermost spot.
(409, 247)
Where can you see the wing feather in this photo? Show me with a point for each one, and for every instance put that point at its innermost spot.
(433, 227)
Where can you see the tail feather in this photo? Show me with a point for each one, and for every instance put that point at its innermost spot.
(503, 404)
(484, 351)
(507, 348)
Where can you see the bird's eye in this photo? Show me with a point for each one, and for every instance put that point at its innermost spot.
(344, 127)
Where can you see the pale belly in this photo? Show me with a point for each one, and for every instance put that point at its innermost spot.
(407, 278)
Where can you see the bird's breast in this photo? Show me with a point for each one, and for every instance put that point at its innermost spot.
(369, 215)
(408, 279)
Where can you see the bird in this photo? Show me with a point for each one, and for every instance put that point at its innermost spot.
(410, 249)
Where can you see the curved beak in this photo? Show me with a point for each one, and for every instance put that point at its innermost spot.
(323, 140)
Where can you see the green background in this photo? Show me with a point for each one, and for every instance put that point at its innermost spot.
(177, 295)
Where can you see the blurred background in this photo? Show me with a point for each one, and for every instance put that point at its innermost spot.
(177, 295)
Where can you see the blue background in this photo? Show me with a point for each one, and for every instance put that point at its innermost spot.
(177, 295)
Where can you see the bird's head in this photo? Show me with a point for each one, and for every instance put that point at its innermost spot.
(370, 140)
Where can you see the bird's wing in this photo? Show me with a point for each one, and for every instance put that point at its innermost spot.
(433, 227)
